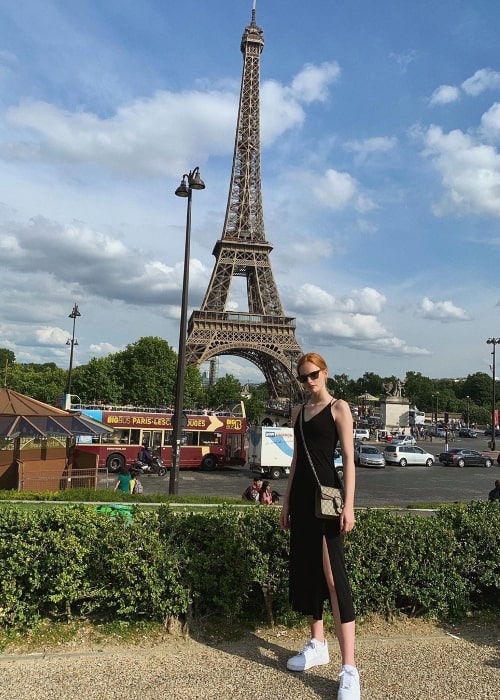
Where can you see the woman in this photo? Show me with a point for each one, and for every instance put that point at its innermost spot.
(317, 565)
(124, 479)
(265, 495)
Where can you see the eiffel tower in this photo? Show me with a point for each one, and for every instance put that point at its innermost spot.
(264, 335)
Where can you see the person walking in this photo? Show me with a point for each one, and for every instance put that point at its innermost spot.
(123, 481)
(317, 565)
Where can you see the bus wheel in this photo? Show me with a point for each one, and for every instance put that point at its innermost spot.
(115, 462)
(275, 472)
(209, 463)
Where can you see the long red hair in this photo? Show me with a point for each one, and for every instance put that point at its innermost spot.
(311, 357)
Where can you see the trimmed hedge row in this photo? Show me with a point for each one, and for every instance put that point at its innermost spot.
(71, 561)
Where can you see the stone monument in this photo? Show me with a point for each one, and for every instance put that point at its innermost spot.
(394, 407)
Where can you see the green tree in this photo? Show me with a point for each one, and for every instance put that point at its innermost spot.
(225, 390)
(255, 404)
(7, 358)
(44, 382)
(95, 382)
(478, 387)
(146, 372)
(341, 387)
(195, 395)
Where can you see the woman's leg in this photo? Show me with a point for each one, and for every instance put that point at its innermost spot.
(345, 632)
(317, 630)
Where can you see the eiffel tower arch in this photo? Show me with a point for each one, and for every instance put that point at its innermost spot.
(264, 335)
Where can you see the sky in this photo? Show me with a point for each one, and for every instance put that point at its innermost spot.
(380, 155)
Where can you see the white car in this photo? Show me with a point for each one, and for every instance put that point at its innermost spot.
(404, 440)
(361, 434)
(407, 454)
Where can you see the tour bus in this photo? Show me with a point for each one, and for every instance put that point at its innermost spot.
(209, 440)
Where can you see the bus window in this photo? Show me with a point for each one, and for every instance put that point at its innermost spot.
(156, 441)
(210, 438)
(167, 438)
(189, 438)
(134, 436)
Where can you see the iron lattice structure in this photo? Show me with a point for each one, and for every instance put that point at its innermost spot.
(263, 335)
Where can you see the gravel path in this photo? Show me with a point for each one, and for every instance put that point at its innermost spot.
(412, 661)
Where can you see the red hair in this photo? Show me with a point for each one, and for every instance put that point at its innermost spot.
(314, 358)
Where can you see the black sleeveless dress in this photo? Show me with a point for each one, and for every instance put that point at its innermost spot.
(308, 588)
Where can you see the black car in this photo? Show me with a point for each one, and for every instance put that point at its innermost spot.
(465, 458)
(488, 432)
(467, 433)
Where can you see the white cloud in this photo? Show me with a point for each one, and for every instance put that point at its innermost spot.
(51, 336)
(103, 348)
(360, 301)
(313, 82)
(350, 320)
(336, 190)
(470, 172)
(156, 135)
(376, 144)
(490, 121)
(483, 79)
(404, 59)
(443, 311)
(444, 94)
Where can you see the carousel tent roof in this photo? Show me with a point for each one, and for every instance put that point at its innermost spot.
(22, 416)
(368, 397)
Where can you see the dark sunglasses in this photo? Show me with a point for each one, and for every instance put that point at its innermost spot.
(312, 375)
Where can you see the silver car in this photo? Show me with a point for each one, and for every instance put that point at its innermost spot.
(368, 456)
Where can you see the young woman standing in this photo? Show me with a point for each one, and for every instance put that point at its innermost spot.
(317, 565)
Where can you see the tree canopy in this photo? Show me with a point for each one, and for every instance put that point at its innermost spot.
(144, 374)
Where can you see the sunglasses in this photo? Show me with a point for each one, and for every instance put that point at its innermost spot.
(312, 375)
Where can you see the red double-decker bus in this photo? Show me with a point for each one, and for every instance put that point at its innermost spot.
(209, 440)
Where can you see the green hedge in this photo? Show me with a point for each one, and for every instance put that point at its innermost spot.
(72, 561)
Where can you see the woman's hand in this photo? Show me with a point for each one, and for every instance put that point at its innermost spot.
(347, 519)
(285, 516)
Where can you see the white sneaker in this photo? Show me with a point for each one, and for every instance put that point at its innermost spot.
(313, 654)
(349, 684)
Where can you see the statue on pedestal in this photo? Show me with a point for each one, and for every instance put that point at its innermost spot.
(394, 388)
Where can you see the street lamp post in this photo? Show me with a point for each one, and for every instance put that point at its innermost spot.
(191, 181)
(72, 342)
(468, 412)
(494, 342)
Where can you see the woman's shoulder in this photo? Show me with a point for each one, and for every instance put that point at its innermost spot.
(340, 408)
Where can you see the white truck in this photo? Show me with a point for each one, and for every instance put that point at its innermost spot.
(270, 451)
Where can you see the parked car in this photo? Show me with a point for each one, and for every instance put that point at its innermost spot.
(407, 454)
(437, 432)
(465, 458)
(361, 434)
(488, 432)
(404, 440)
(368, 456)
(338, 462)
(467, 433)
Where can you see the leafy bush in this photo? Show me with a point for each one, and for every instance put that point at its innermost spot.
(58, 563)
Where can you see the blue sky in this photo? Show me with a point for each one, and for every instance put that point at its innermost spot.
(380, 131)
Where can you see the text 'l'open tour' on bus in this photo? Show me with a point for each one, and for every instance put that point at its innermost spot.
(208, 441)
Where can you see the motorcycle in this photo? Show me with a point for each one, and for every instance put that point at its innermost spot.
(156, 467)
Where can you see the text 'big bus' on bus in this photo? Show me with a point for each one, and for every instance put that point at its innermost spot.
(209, 439)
